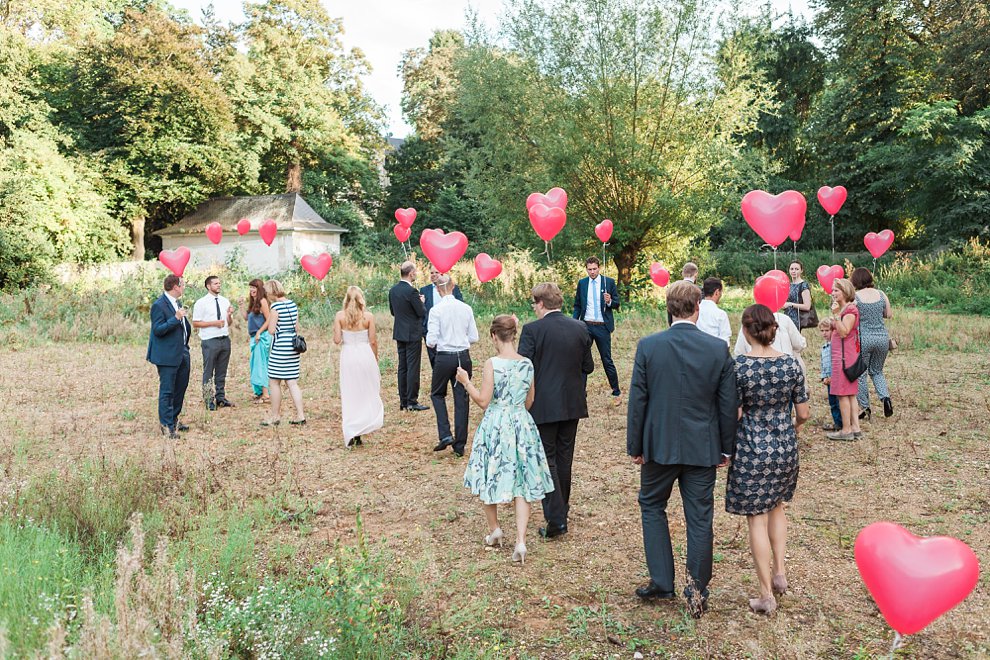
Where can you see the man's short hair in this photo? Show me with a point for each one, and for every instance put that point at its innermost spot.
(210, 279)
(171, 281)
(711, 286)
(549, 294)
(682, 299)
(406, 268)
(592, 260)
(690, 269)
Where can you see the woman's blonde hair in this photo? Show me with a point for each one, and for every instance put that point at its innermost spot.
(274, 289)
(354, 306)
(846, 288)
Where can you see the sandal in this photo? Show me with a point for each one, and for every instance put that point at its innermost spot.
(270, 422)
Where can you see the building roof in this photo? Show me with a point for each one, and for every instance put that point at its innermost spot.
(289, 211)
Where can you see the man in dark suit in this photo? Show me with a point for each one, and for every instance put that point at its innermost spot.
(681, 426)
(431, 297)
(168, 349)
(406, 305)
(560, 349)
(594, 301)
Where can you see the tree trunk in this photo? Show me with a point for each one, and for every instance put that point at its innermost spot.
(625, 259)
(293, 177)
(137, 239)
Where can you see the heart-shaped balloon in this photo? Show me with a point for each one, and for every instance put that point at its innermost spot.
(774, 217)
(914, 580)
(877, 244)
(772, 289)
(405, 217)
(401, 233)
(267, 230)
(317, 266)
(547, 221)
(555, 198)
(487, 268)
(832, 199)
(214, 232)
(829, 274)
(443, 250)
(659, 274)
(795, 234)
(243, 226)
(603, 230)
(536, 198)
(175, 260)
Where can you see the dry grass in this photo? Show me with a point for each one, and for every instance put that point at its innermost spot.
(925, 468)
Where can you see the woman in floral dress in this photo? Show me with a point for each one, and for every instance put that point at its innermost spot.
(507, 462)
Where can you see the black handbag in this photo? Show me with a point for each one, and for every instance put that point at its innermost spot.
(299, 344)
(857, 368)
(809, 318)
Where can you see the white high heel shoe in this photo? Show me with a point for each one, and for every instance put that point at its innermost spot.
(495, 538)
(519, 554)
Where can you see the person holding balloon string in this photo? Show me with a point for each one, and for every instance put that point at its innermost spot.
(845, 350)
(799, 297)
(257, 313)
(874, 307)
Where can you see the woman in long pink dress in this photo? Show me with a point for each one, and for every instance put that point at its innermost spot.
(845, 340)
(361, 407)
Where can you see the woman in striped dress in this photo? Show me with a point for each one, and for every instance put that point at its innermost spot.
(283, 362)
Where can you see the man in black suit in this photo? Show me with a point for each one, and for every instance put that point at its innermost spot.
(406, 305)
(681, 426)
(560, 349)
(594, 301)
(431, 297)
(168, 349)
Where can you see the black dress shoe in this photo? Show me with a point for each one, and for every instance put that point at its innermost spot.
(551, 530)
(444, 443)
(652, 591)
(888, 407)
(223, 403)
(459, 453)
(866, 414)
(417, 406)
(181, 427)
(697, 601)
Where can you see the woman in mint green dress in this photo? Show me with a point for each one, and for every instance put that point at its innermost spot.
(507, 462)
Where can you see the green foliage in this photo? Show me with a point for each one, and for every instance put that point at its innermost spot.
(953, 281)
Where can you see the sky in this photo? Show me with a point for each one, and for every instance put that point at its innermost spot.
(384, 29)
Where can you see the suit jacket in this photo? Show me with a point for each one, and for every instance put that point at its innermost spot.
(581, 300)
(682, 400)
(408, 310)
(166, 342)
(560, 349)
(427, 292)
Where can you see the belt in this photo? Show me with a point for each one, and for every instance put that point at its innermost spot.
(595, 322)
(463, 350)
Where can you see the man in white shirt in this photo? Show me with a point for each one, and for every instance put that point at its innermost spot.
(211, 315)
(711, 319)
(450, 331)
(689, 273)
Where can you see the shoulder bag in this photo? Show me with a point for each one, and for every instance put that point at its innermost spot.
(808, 318)
(299, 344)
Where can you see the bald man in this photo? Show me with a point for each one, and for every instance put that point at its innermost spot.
(406, 305)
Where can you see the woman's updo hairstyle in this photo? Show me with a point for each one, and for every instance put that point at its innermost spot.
(504, 328)
(760, 324)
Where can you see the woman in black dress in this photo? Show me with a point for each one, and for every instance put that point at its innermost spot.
(764, 470)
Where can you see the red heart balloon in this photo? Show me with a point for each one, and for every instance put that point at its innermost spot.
(443, 250)
(405, 217)
(827, 275)
(267, 231)
(914, 580)
(877, 244)
(243, 226)
(317, 266)
(659, 274)
(547, 221)
(175, 260)
(832, 199)
(214, 232)
(772, 289)
(774, 217)
(487, 268)
(401, 233)
(795, 234)
(537, 198)
(603, 230)
(557, 198)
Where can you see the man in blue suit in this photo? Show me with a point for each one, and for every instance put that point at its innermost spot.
(594, 301)
(431, 297)
(168, 349)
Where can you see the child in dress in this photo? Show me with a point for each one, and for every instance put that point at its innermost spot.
(825, 326)
(507, 462)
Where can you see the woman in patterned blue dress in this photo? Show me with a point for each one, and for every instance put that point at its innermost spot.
(283, 362)
(764, 470)
(507, 462)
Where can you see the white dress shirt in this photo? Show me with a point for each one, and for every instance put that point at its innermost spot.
(714, 321)
(205, 309)
(451, 327)
(592, 306)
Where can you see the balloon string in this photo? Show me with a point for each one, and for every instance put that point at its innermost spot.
(775, 258)
(874, 265)
(898, 641)
(546, 250)
(831, 220)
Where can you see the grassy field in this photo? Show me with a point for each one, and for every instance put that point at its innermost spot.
(261, 543)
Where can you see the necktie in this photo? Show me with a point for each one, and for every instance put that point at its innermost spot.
(178, 305)
(598, 297)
